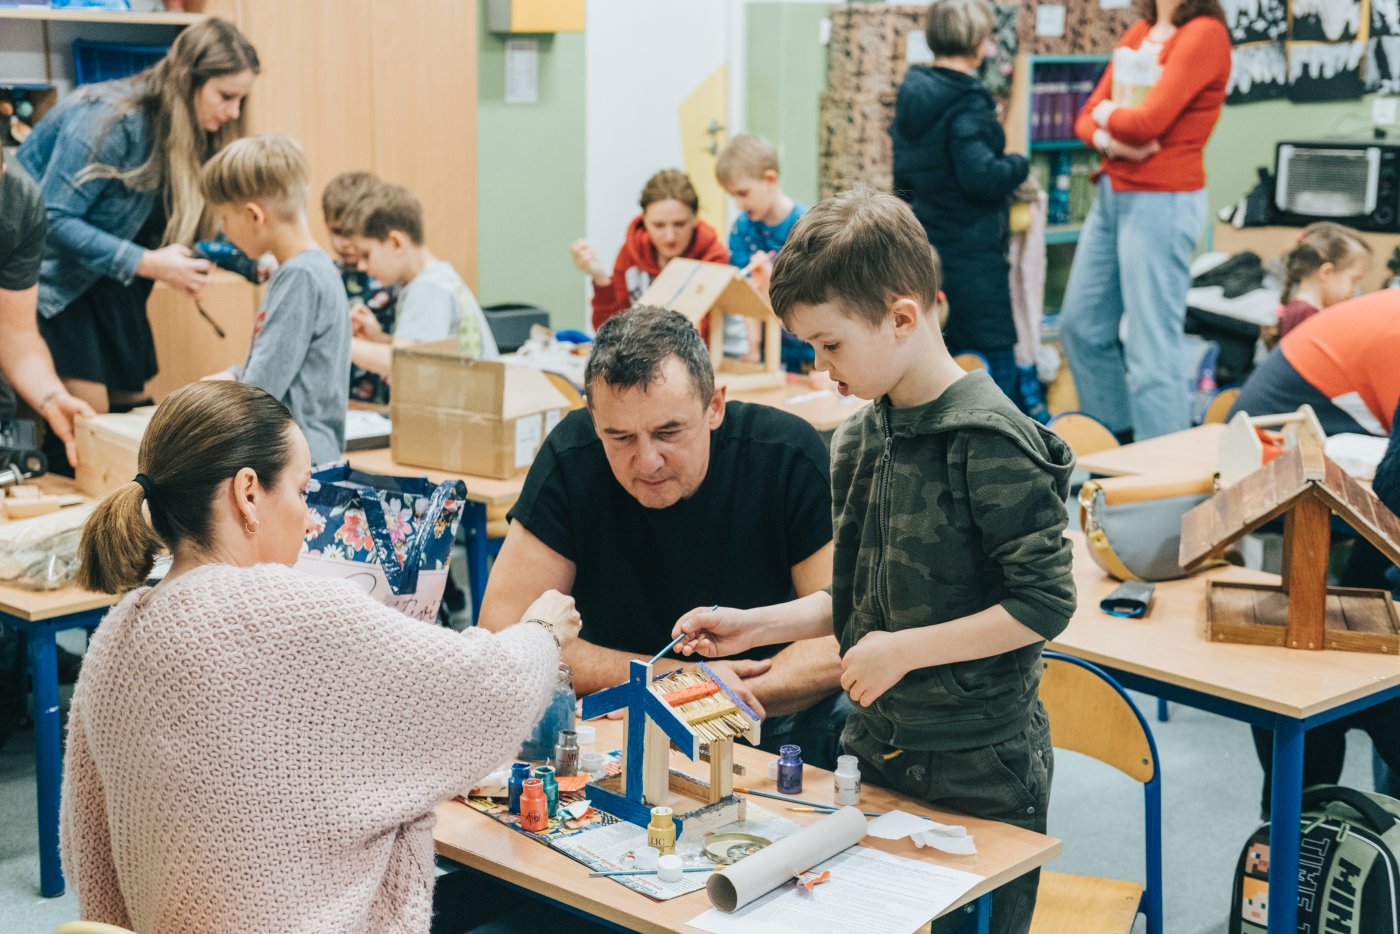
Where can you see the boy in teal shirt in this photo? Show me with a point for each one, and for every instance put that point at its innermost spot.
(951, 566)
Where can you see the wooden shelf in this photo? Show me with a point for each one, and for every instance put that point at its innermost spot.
(104, 17)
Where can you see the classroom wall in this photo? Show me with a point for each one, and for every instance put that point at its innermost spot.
(530, 172)
(785, 73)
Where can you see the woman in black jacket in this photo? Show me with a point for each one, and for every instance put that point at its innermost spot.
(950, 164)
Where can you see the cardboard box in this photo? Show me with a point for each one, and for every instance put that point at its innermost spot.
(107, 449)
(701, 291)
(455, 413)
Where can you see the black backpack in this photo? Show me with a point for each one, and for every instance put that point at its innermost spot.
(1348, 871)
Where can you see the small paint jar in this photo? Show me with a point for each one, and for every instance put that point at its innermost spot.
(519, 771)
(790, 769)
(661, 832)
(545, 773)
(668, 868)
(534, 808)
(847, 779)
(566, 754)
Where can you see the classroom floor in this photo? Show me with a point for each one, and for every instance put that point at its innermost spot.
(1210, 784)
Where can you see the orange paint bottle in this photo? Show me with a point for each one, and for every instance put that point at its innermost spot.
(534, 807)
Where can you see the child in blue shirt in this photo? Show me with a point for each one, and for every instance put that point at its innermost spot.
(748, 170)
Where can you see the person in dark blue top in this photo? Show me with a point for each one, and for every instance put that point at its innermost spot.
(950, 164)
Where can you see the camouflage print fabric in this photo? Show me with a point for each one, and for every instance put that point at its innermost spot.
(942, 511)
(1007, 782)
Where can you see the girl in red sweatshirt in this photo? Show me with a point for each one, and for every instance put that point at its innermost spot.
(668, 227)
(1150, 116)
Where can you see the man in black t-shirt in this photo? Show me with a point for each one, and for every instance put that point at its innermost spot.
(25, 362)
(660, 497)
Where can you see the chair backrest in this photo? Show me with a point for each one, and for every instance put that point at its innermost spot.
(1090, 714)
(90, 927)
(971, 360)
(569, 390)
(1083, 433)
(1220, 405)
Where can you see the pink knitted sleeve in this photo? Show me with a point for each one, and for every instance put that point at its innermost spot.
(83, 834)
(412, 713)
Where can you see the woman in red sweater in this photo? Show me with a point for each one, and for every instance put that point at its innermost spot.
(668, 227)
(1150, 116)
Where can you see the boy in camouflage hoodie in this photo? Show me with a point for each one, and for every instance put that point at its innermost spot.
(951, 567)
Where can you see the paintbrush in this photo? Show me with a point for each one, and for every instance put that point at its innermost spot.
(210, 318)
(650, 872)
(674, 642)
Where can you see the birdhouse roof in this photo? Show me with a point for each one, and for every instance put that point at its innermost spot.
(696, 289)
(1270, 491)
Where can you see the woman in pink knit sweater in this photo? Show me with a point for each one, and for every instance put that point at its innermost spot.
(252, 749)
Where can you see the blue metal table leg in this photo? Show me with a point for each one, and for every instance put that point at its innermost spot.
(984, 914)
(1162, 712)
(475, 519)
(1286, 814)
(48, 754)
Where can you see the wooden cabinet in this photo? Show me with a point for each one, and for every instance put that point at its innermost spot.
(187, 347)
(379, 85)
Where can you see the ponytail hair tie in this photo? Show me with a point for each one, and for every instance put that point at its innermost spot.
(146, 484)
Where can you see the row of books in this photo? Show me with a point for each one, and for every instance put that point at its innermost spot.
(1057, 95)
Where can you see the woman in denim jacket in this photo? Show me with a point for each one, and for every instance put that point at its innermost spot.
(118, 165)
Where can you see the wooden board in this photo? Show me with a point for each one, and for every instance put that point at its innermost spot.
(1356, 619)
(1355, 502)
(1189, 453)
(187, 347)
(1242, 508)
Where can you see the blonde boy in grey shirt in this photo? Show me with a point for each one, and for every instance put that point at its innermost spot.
(301, 339)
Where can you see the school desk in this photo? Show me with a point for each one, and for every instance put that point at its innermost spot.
(1189, 453)
(481, 493)
(474, 840)
(41, 616)
(823, 409)
(1167, 654)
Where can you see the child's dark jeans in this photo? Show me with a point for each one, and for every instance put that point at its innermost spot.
(1008, 781)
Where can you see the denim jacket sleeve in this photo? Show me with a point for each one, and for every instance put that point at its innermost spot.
(85, 138)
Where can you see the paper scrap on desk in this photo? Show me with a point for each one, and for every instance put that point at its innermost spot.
(896, 825)
(869, 892)
(1358, 455)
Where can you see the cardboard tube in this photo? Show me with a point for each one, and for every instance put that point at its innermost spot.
(735, 886)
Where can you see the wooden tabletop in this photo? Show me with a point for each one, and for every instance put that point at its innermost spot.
(823, 409)
(470, 837)
(36, 605)
(1189, 453)
(1170, 645)
(487, 490)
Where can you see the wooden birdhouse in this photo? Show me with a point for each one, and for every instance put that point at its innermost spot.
(687, 707)
(1249, 443)
(707, 292)
(1301, 612)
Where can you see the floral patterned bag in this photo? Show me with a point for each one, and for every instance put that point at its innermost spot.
(391, 535)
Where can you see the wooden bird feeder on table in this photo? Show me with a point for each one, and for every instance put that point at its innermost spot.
(1301, 612)
(708, 292)
(687, 707)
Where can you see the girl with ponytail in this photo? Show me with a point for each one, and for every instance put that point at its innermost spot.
(1326, 267)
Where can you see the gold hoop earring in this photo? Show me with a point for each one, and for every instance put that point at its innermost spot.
(252, 531)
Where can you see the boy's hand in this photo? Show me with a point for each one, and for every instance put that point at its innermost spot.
(722, 631)
(364, 325)
(873, 666)
(761, 271)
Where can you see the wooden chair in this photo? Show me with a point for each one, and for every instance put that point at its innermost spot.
(1219, 406)
(1090, 714)
(90, 927)
(971, 360)
(1083, 433)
